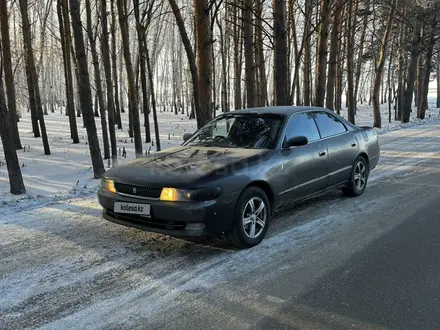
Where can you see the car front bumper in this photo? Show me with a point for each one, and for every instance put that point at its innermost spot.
(174, 218)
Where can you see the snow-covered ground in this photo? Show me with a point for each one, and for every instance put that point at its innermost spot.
(63, 267)
(67, 171)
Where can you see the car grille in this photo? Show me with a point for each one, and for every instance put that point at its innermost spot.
(153, 223)
(139, 191)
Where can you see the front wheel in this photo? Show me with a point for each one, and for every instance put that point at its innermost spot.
(251, 218)
(358, 179)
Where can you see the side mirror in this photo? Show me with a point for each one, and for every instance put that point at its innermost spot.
(187, 136)
(296, 141)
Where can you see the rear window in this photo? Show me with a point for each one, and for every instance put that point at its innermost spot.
(328, 124)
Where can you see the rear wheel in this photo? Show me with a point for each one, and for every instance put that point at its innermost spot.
(251, 218)
(358, 179)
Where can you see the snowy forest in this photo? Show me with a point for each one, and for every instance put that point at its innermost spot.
(96, 62)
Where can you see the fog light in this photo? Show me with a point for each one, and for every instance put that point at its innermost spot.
(195, 226)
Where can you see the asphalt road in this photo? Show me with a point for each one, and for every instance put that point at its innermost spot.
(371, 262)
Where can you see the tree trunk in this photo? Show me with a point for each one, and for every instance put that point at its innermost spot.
(419, 81)
(350, 48)
(380, 67)
(360, 54)
(224, 54)
(77, 94)
(438, 81)
(249, 53)
(297, 55)
(130, 113)
(262, 88)
(181, 81)
(98, 82)
(66, 42)
(237, 56)
(191, 61)
(32, 102)
(84, 90)
(143, 74)
(132, 97)
(33, 77)
(307, 55)
(9, 75)
(281, 80)
(339, 71)
(256, 64)
(96, 104)
(321, 64)
(412, 71)
(333, 61)
(153, 99)
(390, 80)
(122, 88)
(427, 73)
(137, 71)
(105, 50)
(16, 183)
(204, 59)
(114, 65)
(214, 86)
(400, 70)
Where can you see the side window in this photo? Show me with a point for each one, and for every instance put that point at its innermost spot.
(302, 125)
(328, 125)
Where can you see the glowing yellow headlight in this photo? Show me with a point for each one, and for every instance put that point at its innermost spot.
(188, 195)
(168, 194)
(108, 185)
(111, 186)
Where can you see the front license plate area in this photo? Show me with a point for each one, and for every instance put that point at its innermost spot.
(132, 208)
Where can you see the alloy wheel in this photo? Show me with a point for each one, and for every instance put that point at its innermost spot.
(360, 175)
(254, 217)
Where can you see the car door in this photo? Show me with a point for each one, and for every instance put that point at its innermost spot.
(304, 167)
(342, 146)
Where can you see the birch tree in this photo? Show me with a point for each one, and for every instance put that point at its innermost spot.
(33, 86)
(14, 172)
(380, 66)
(85, 93)
(133, 104)
(9, 75)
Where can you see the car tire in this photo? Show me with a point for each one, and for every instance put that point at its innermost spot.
(250, 223)
(358, 178)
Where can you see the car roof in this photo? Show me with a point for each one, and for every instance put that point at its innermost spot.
(281, 110)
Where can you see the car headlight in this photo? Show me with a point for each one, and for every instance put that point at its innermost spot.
(186, 195)
(108, 185)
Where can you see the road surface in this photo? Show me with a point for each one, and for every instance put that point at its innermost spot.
(333, 262)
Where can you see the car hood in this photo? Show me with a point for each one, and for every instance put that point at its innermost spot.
(180, 166)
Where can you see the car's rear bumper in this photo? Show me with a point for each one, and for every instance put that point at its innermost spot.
(173, 218)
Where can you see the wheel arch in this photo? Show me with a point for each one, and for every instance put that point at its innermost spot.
(263, 185)
(365, 156)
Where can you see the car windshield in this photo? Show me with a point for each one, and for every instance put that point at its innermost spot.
(255, 131)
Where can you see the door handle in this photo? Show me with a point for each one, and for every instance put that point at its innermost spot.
(322, 153)
(353, 144)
